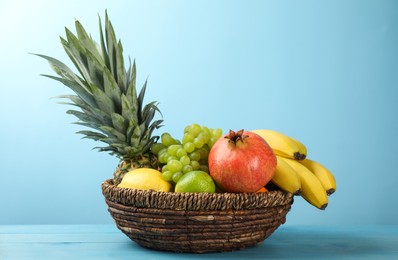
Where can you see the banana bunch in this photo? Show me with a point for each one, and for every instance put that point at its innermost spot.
(297, 174)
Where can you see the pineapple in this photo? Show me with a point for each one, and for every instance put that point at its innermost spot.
(106, 98)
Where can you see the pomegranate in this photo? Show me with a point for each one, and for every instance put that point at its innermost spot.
(241, 161)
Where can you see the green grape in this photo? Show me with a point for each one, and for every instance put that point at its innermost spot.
(198, 142)
(206, 133)
(167, 139)
(204, 168)
(206, 130)
(167, 175)
(171, 157)
(187, 155)
(217, 133)
(195, 129)
(181, 152)
(189, 147)
(187, 168)
(163, 157)
(195, 165)
(185, 160)
(174, 165)
(203, 152)
(204, 161)
(163, 150)
(205, 137)
(177, 176)
(187, 138)
(172, 150)
(194, 156)
(156, 147)
(187, 129)
(212, 141)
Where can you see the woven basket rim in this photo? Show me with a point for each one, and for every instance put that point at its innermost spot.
(194, 201)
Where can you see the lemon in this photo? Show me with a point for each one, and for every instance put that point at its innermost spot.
(195, 181)
(145, 179)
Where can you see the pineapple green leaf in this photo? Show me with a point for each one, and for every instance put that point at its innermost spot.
(89, 125)
(119, 146)
(134, 76)
(149, 111)
(87, 41)
(111, 89)
(121, 72)
(148, 116)
(76, 101)
(92, 111)
(131, 92)
(62, 70)
(155, 125)
(147, 146)
(74, 98)
(104, 118)
(140, 101)
(129, 111)
(103, 46)
(113, 132)
(96, 70)
(128, 76)
(106, 93)
(111, 43)
(136, 137)
(104, 102)
(91, 64)
(77, 88)
(91, 135)
(133, 151)
(84, 117)
(112, 140)
(130, 130)
(110, 149)
(119, 122)
(79, 61)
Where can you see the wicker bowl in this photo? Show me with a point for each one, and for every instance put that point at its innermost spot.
(196, 222)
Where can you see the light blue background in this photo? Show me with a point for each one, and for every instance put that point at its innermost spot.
(324, 72)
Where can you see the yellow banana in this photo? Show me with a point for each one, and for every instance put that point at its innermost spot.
(302, 148)
(286, 178)
(311, 188)
(322, 173)
(282, 144)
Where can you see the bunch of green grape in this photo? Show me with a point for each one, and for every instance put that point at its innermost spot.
(179, 158)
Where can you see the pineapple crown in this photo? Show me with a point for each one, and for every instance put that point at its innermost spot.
(106, 93)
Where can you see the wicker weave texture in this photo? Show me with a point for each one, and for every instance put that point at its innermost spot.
(196, 222)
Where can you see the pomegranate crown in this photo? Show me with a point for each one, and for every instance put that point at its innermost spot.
(234, 137)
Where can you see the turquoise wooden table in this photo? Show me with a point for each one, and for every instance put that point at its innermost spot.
(288, 242)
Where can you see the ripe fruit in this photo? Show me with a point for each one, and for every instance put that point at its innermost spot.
(191, 154)
(145, 179)
(311, 188)
(323, 174)
(286, 177)
(282, 144)
(241, 162)
(263, 189)
(196, 181)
